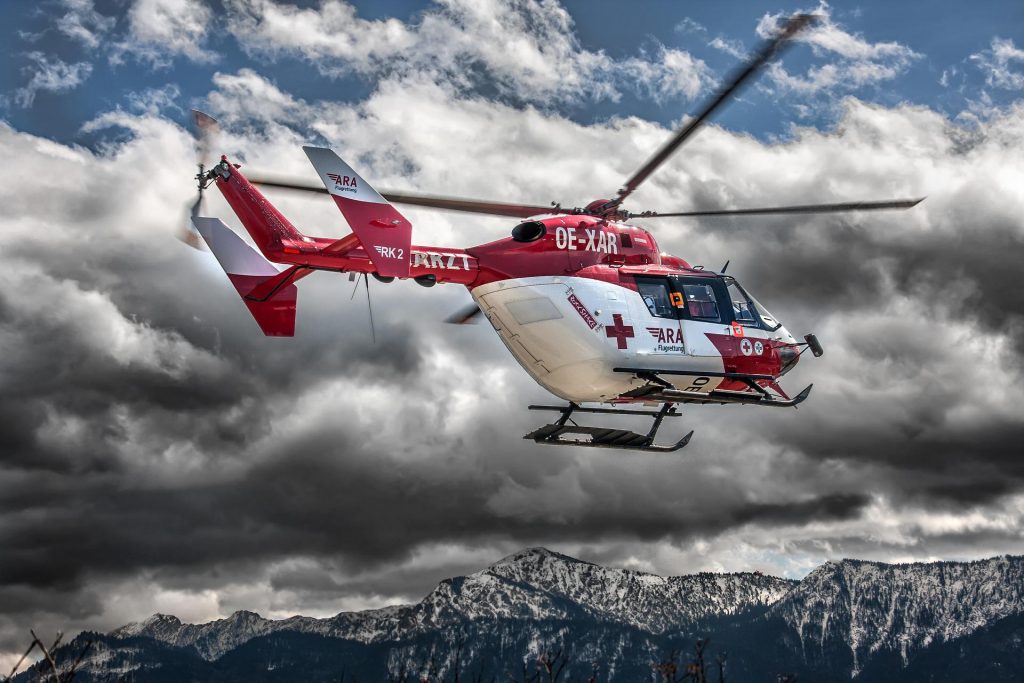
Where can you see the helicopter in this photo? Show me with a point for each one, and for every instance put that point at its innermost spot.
(583, 298)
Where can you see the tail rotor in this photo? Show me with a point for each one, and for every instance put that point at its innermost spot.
(205, 129)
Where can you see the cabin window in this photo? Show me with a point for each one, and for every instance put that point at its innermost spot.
(527, 311)
(626, 240)
(657, 296)
(701, 302)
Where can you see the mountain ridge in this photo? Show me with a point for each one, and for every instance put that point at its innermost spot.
(844, 618)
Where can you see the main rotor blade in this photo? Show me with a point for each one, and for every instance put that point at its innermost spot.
(424, 200)
(803, 208)
(738, 78)
(465, 315)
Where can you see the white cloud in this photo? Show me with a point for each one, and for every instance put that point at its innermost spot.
(1003, 64)
(897, 357)
(733, 48)
(50, 74)
(857, 62)
(160, 30)
(83, 23)
(526, 49)
(689, 25)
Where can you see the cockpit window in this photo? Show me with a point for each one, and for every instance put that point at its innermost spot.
(701, 303)
(767, 318)
(742, 306)
(656, 296)
(747, 310)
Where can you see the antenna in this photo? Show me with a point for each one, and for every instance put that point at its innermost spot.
(722, 271)
(369, 307)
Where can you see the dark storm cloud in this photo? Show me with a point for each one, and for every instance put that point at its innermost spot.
(150, 431)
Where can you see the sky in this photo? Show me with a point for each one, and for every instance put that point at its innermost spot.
(158, 454)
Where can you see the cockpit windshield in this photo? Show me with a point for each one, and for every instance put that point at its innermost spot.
(747, 310)
(703, 299)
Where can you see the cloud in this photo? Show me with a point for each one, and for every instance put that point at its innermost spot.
(82, 22)
(173, 459)
(857, 62)
(160, 30)
(733, 48)
(525, 49)
(688, 25)
(998, 64)
(50, 74)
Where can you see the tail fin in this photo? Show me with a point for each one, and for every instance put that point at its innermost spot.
(384, 233)
(267, 292)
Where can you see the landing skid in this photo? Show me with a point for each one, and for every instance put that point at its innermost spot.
(603, 437)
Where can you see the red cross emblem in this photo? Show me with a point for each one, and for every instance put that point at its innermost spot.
(620, 331)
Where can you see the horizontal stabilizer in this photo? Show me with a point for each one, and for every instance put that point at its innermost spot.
(385, 234)
(253, 277)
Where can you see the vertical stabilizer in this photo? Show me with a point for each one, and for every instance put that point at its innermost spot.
(266, 291)
(385, 234)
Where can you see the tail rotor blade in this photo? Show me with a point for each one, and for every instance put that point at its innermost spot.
(197, 206)
(187, 232)
(205, 129)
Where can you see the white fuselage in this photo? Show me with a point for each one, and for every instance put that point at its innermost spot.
(569, 333)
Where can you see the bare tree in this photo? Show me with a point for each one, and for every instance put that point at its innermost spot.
(526, 677)
(401, 677)
(720, 660)
(696, 669)
(456, 658)
(668, 669)
(48, 657)
(552, 664)
(428, 672)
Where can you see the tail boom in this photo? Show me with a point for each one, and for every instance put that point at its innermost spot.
(275, 236)
(282, 242)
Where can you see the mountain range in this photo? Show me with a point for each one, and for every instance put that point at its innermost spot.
(846, 620)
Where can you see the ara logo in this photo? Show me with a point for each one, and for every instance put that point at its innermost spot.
(343, 182)
(666, 335)
(669, 340)
(390, 252)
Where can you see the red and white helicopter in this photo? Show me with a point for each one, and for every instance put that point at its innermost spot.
(584, 299)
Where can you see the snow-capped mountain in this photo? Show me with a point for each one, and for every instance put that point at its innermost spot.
(870, 607)
(534, 584)
(865, 621)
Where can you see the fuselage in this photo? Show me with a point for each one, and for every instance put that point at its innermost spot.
(602, 296)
